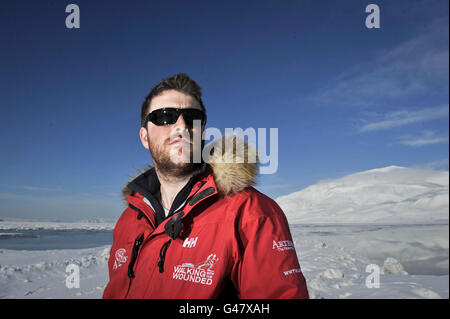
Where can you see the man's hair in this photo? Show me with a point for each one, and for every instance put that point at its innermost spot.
(180, 82)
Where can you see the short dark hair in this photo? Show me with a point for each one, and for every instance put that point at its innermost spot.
(180, 82)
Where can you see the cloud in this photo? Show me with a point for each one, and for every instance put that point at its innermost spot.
(422, 142)
(417, 67)
(37, 188)
(405, 117)
(33, 192)
(12, 196)
(428, 137)
(441, 164)
(63, 201)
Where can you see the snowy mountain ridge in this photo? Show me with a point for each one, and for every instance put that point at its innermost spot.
(386, 195)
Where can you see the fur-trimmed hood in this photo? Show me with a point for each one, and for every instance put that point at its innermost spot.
(233, 161)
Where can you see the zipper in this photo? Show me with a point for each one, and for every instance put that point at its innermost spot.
(134, 254)
(138, 242)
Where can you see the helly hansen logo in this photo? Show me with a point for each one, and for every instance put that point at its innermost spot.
(190, 242)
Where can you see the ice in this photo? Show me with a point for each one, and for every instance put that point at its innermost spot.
(392, 266)
(333, 270)
(333, 274)
(425, 293)
(42, 274)
(393, 217)
(332, 264)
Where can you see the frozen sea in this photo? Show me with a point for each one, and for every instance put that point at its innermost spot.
(48, 239)
(422, 249)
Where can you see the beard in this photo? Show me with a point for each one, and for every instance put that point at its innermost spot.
(174, 161)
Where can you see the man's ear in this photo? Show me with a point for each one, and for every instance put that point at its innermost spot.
(143, 135)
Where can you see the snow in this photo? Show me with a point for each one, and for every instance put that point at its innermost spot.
(391, 220)
(335, 266)
(331, 271)
(391, 195)
(393, 266)
(42, 274)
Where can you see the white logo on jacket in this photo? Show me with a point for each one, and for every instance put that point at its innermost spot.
(190, 242)
(120, 258)
(283, 245)
(201, 273)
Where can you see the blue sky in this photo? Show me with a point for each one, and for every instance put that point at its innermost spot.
(343, 97)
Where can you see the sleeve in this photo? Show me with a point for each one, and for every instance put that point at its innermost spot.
(266, 264)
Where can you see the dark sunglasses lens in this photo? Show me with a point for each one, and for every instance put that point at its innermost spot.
(190, 115)
(165, 116)
(169, 116)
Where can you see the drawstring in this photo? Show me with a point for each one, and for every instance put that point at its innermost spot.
(162, 255)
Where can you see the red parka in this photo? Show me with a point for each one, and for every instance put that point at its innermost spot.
(211, 247)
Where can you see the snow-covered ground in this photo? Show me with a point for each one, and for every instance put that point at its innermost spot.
(396, 218)
(393, 219)
(389, 195)
(333, 269)
(335, 260)
(42, 273)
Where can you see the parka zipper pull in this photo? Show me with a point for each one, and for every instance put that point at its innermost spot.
(162, 255)
(137, 244)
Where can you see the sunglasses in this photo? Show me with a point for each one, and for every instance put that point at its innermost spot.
(170, 115)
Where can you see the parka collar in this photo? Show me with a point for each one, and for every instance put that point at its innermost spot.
(227, 172)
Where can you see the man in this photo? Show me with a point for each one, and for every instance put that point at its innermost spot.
(196, 229)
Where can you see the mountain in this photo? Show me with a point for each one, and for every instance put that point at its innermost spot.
(389, 195)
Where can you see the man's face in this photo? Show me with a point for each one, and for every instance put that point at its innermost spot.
(172, 146)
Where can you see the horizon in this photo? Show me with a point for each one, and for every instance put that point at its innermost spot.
(97, 219)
